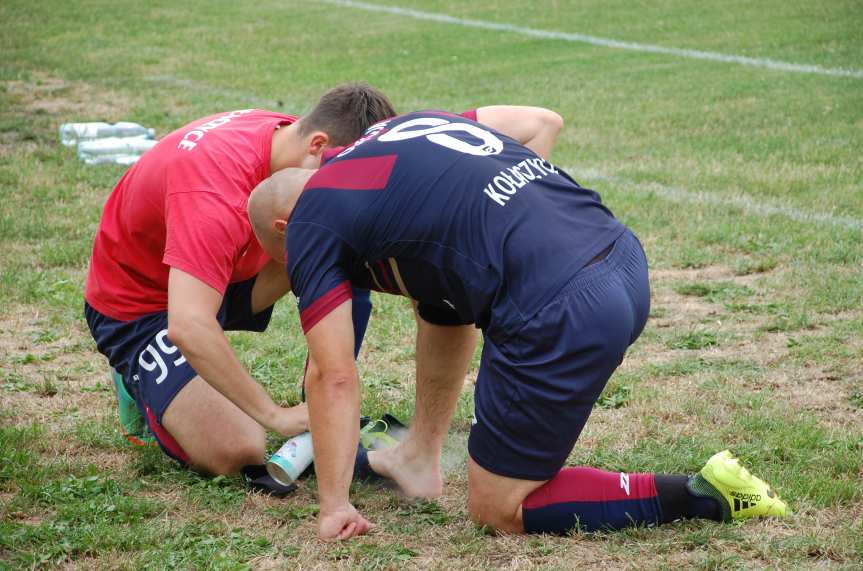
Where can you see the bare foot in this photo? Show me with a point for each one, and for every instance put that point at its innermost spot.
(417, 475)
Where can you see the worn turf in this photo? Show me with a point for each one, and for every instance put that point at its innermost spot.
(744, 183)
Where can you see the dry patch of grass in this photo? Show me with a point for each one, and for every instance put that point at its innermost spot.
(742, 338)
(813, 391)
(56, 380)
(44, 94)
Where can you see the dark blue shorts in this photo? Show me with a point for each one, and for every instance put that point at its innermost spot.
(153, 369)
(534, 393)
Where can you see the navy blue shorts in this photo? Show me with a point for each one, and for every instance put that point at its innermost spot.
(534, 393)
(153, 369)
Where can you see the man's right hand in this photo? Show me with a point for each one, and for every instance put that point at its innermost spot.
(342, 522)
(290, 421)
(193, 327)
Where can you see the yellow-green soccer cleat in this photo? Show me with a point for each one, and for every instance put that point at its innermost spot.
(374, 435)
(740, 494)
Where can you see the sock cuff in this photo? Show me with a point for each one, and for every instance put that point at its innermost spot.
(699, 487)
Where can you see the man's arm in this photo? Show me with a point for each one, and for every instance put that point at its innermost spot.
(534, 127)
(193, 327)
(333, 392)
(270, 286)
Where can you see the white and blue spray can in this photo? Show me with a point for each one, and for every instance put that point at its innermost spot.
(291, 459)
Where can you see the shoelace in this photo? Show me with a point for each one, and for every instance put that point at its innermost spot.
(369, 436)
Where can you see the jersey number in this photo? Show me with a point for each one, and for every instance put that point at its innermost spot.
(163, 347)
(441, 132)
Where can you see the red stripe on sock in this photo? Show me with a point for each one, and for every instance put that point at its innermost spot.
(582, 484)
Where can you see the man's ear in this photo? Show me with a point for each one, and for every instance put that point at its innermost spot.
(318, 142)
(280, 226)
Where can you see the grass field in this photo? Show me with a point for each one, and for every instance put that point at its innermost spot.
(744, 182)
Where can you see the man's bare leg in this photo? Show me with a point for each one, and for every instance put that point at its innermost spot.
(495, 501)
(443, 355)
(218, 437)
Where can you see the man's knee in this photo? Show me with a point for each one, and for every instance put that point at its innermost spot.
(485, 511)
(494, 500)
(228, 458)
(216, 435)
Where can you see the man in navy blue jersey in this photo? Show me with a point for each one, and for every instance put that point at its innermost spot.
(480, 231)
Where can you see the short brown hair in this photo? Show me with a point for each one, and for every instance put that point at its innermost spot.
(346, 111)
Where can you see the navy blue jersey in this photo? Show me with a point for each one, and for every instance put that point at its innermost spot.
(436, 207)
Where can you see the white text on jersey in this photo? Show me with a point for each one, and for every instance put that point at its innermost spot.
(511, 179)
(190, 139)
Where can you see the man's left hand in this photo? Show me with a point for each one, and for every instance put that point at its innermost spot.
(342, 522)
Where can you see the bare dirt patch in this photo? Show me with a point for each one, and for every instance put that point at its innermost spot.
(30, 329)
(747, 357)
(814, 391)
(52, 377)
(35, 347)
(32, 519)
(678, 310)
(44, 94)
(10, 140)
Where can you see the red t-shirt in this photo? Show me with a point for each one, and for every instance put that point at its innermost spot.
(183, 205)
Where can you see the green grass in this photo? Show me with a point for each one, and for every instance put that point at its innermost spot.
(754, 336)
(694, 340)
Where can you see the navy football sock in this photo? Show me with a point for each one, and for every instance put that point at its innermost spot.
(592, 500)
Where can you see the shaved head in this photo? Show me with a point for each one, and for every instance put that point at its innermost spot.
(270, 206)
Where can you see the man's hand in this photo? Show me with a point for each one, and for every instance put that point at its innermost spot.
(342, 522)
(290, 421)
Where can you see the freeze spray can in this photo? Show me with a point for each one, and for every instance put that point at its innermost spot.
(291, 459)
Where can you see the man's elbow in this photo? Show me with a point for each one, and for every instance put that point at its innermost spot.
(182, 328)
(552, 121)
(178, 332)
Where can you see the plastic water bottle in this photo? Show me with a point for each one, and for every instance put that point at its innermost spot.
(291, 459)
(123, 151)
(73, 133)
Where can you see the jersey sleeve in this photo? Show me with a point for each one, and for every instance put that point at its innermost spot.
(204, 236)
(316, 261)
(469, 114)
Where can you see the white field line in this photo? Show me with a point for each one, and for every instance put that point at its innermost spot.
(746, 203)
(598, 41)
